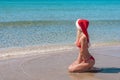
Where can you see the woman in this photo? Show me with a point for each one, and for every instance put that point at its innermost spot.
(85, 60)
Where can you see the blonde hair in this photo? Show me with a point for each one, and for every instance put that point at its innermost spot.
(78, 33)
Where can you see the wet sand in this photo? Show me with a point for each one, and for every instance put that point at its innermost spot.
(54, 66)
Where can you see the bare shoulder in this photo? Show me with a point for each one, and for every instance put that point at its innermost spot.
(84, 39)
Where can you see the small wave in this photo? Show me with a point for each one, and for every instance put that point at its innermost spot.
(36, 23)
(104, 22)
(105, 44)
(35, 50)
(56, 22)
(42, 50)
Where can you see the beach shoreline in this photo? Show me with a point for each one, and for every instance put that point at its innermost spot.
(54, 66)
(45, 50)
(36, 38)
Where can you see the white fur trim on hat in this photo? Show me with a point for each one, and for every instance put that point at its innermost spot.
(77, 25)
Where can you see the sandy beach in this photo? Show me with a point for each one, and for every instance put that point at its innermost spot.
(37, 38)
(54, 66)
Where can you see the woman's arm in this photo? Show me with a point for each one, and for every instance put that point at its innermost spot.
(84, 53)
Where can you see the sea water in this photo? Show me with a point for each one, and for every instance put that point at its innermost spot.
(25, 23)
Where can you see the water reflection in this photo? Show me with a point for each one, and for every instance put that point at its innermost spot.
(82, 76)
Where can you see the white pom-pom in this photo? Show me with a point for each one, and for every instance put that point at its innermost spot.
(77, 25)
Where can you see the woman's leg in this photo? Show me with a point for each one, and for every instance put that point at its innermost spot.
(84, 66)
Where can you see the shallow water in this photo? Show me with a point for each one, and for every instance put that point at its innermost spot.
(47, 22)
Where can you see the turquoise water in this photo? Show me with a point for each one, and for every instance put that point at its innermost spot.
(46, 22)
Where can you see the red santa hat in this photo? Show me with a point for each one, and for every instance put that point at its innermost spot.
(83, 24)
